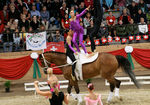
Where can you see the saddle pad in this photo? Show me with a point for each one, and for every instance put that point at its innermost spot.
(83, 58)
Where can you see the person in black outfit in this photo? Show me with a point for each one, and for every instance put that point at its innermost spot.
(56, 97)
(70, 52)
(98, 15)
(7, 40)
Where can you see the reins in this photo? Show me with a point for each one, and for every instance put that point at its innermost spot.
(45, 62)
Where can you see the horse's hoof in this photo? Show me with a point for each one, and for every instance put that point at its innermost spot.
(108, 103)
(118, 98)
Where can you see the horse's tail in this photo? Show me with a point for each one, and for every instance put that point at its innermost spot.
(126, 66)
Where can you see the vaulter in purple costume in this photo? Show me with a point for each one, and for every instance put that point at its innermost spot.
(77, 29)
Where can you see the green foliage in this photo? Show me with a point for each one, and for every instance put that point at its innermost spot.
(7, 84)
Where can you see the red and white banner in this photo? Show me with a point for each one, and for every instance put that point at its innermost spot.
(145, 37)
(104, 40)
(138, 37)
(55, 46)
(124, 40)
(131, 38)
(88, 43)
(117, 39)
(110, 39)
(97, 42)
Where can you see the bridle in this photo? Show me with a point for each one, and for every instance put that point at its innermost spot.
(47, 62)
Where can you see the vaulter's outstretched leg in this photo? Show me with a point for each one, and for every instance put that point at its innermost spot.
(98, 14)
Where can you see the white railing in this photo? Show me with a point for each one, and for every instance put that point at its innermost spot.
(128, 81)
(44, 86)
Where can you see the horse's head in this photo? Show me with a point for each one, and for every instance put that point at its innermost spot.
(52, 58)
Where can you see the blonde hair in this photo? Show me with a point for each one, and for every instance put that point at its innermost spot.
(55, 87)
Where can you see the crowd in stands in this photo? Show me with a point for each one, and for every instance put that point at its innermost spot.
(21, 16)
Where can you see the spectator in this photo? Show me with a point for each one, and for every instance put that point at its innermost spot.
(34, 12)
(121, 4)
(4, 15)
(111, 21)
(1, 27)
(21, 5)
(88, 18)
(13, 25)
(121, 29)
(109, 4)
(65, 25)
(42, 28)
(81, 8)
(56, 8)
(23, 22)
(12, 2)
(129, 2)
(125, 17)
(38, 5)
(63, 10)
(136, 1)
(7, 40)
(88, 2)
(34, 23)
(140, 15)
(132, 29)
(23, 34)
(143, 7)
(31, 30)
(16, 40)
(103, 32)
(45, 17)
(27, 13)
(1, 30)
(58, 37)
(148, 29)
(87, 23)
(143, 28)
(14, 13)
(133, 10)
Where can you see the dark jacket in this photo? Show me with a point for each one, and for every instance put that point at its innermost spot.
(132, 29)
(133, 10)
(7, 37)
(121, 30)
(138, 16)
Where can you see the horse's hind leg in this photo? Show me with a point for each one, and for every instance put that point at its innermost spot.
(112, 87)
(118, 82)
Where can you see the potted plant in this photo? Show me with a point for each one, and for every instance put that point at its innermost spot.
(7, 86)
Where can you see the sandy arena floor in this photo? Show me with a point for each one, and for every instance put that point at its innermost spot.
(129, 94)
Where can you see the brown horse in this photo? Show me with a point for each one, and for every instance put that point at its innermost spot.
(105, 65)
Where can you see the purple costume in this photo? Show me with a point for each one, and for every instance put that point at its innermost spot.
(78, 32)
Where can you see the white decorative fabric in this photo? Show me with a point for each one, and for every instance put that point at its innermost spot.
(128, 49)
(34, 55)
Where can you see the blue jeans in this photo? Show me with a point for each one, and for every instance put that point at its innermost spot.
(9, 44)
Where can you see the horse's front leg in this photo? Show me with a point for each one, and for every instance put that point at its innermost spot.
(76, 87)
(69, 88)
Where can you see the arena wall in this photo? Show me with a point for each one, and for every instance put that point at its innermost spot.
(139, 70)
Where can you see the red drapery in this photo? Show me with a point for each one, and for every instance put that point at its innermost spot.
(14, 69)
(119, 52)
(142, 56)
